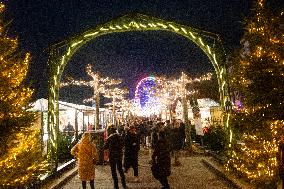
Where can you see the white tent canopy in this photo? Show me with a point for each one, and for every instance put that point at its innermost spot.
(42, 105)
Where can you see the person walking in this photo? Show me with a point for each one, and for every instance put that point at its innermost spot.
(114, 144)
(161, 159)
(131, 151)
(177, 142)
(154, 139)
(86, 153)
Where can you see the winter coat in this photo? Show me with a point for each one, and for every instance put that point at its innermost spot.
(85, 151)
(114, 144)
(177, 140)
(132, 147)
(154, 138)
(161, 157)
(182, 131)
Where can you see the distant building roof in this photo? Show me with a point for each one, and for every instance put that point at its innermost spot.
(207, 102)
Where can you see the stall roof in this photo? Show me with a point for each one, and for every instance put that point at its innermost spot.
(42, 105)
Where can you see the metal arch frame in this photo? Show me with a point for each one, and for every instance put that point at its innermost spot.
(62, 52)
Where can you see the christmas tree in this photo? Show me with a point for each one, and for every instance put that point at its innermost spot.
(257, 77)
(20, 157)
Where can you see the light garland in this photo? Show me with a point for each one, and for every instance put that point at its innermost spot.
(267, 163)
(21, 160)
(165, 92)
(260, 128)
(98, 83)
(129, 23)
(116, 94)
(19, 166)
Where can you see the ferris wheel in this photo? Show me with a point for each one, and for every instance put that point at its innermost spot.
(145, 96)
(145, 90)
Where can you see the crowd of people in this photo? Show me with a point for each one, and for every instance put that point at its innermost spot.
(122, 145)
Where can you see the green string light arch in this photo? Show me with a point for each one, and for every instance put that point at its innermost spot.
(62, 52)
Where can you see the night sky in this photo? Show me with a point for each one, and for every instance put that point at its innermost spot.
(132, 55)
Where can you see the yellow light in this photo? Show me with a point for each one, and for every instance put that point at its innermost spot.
(174, 28)
(162, 25)
(104, 29)
(119, 27)
(91, 34)
(112, 28)
(184, 31)
(143, 26)
(200, 40)
(125, 26)
(208, 48)
(76, 43)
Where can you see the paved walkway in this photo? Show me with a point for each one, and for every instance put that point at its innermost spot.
(192, 174)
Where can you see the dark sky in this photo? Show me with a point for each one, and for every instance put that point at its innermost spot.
(132, 55)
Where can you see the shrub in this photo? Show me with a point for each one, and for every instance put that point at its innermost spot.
(215, 139)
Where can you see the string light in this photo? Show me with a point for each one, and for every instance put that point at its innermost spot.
(132, 23)
(254, 157)
(99, 85)
(21, 160)
(19, 166)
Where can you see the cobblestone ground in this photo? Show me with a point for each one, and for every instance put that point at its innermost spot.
(192, 174)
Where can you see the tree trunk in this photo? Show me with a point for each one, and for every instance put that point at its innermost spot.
(187, 125)
(113, 112)
(97, 111)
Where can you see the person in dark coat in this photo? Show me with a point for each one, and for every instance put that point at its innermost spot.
(280, 162)
(161, 159)
(132, 147)
(154, 137)
(182, 133)
(177, 142)
(154, 140)
(114, 144)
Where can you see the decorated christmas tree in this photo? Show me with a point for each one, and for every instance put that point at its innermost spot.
(20, 157)
(258, 79)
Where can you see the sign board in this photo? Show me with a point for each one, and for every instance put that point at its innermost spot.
(198, 126)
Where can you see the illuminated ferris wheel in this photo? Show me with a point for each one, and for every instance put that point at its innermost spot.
(145, 96)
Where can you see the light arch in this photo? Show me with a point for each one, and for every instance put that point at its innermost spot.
(62, 52)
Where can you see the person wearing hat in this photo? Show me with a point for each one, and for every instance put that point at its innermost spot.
(114, 144)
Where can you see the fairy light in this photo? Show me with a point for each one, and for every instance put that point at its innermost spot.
(125, 24)
(166, 91)
(116, 94)
(98, 84)
(162, 25)
(173, 27)
(261, 149)
(21, 161)
(255, 157)
(91, 34)
(20, 166)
